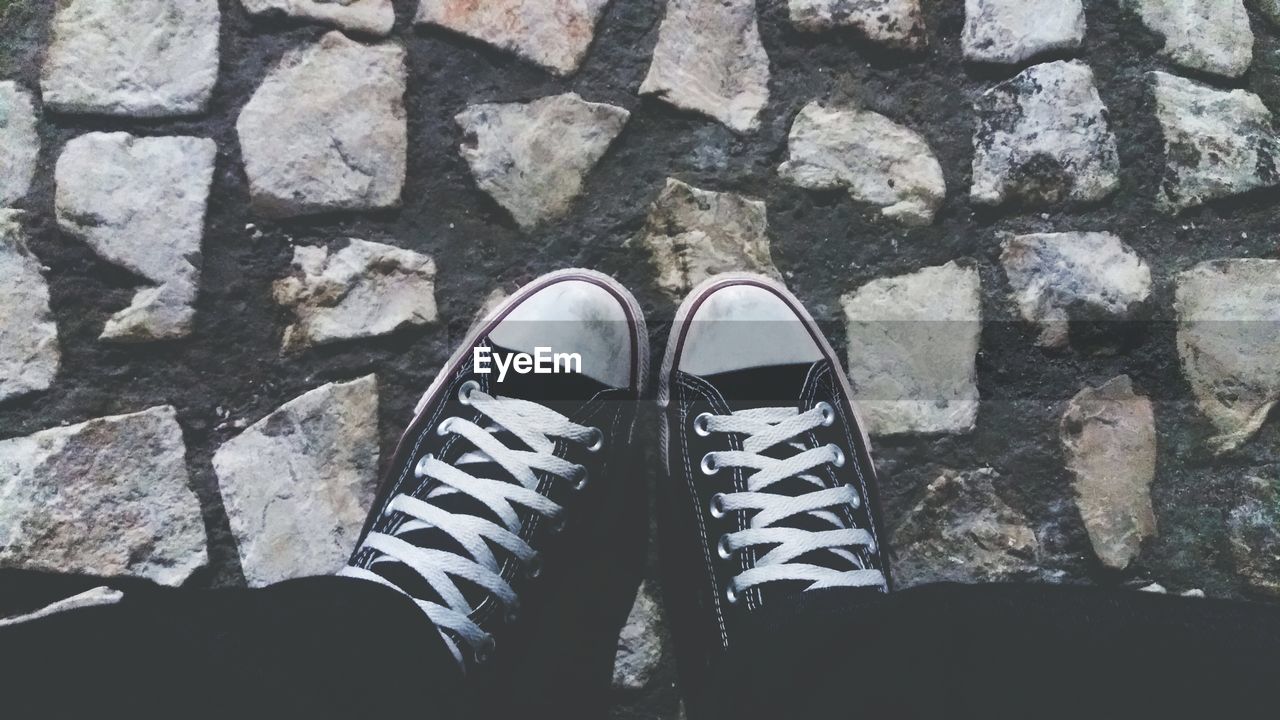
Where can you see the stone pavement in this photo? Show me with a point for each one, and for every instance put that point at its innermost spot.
(1046, 232)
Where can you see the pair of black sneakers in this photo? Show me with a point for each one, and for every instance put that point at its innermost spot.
(514, 513)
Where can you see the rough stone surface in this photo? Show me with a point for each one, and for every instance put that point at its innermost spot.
(1228, 312)
(106, 497)
(1269, 8)
(19, 143)
(363, 290)
(532, 157)
(1211, 36)
(961, 531)
(1217, 143)
(895, 23)
(913, 345)
(1043, 137)
(1056, 274)
(327, 130)
(375, 17)
(710, 59)
(29, 354)
(692, 234)
(1012, 31)
(878, 160)
(640, 646)
(1109, 434)
(555, 34)
(140, 203)
(1254, 527)
(142, 58)
(297, 484)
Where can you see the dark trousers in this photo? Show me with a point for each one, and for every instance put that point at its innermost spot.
(331, 647)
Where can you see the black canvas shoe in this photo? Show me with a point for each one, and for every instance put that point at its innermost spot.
(770, 498)
(511, 513)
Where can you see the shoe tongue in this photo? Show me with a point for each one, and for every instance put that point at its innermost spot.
(771, 386)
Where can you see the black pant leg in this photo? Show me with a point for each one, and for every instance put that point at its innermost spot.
(318, 647)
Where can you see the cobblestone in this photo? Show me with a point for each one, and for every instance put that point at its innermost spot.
(1211, 36)
(29, 354)
(19, 143)
(896, 23)
(1013, 31)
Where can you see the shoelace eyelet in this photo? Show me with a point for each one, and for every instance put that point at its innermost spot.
(840, 458)
(717, 505)
(464, 392)
(533, 568)
(420, 469)
(582, 478)
(722, 548)
(485, 651)
(709, 466)
(828, 413)
(512, 615)
(731, 593)
(443, 428)
(556, 526)
(701, 425)
(597, 440)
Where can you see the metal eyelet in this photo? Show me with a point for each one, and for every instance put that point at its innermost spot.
(486, 649)
(420, 469)
(717, 505)
(857, 501)
(533, 568)
(582, 478)
(597, 441)
(701, 425)
(443, 428)
(464, 392)
(828, 413)
(556, 526)
(840, 458)
(512, 614)
(731, 593)
(709, 466)
(722, 548)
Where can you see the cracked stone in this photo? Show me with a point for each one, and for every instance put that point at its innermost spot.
(297, 484)
(1109, 434)
(19, 143)
(1211, 36)
(913, 343)
(106, 497)
(140, 58)
(555, 34)
(365, 289)
(29, 354)
(963, 532)
(640, 645)
(1218, 144)
(692, 234)
(532, 157)
(1054, 275)
(1013, 31)
(710, 60)
(1043, 137)
(1228, 311)
(375, 17)
(895, 23)
(1254, 530)
(877, 160)
(327, 130)
(140, 203)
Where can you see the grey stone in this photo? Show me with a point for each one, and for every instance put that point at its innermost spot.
(1043, 137)
(895, 23)
(1217, 143)
(961, 531)
(1269, 8)
(106, 497)
(19, 143)
(552, 33)
(1109, 434)
(327, 130)
(141, 58)
(1211, 36)
(913, 343)
(1228, 312)
(692, 234)
(1254, 530)
(298, 484)
(1053, 274)
(1012, 31)
(878, 160)
(532, 157)
(140, 203)
(365, 289)
(29, 355)
(641, 643)
(710, 60)
(375, 17)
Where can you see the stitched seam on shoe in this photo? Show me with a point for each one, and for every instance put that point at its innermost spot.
(697, 513)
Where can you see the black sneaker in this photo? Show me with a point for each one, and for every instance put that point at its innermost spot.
(511, 513)
(770, 496)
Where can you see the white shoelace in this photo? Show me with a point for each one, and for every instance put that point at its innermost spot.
(766, 428)
(536, 426)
